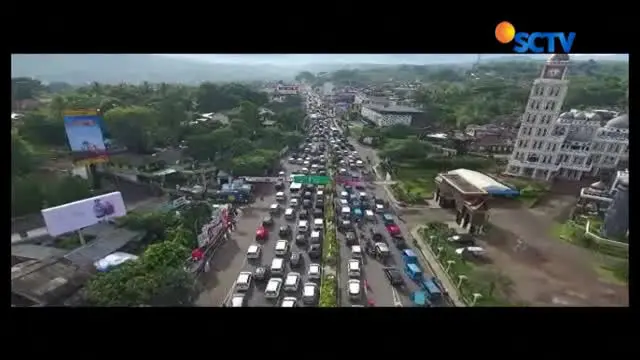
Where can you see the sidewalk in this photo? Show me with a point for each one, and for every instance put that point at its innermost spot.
(433, 263)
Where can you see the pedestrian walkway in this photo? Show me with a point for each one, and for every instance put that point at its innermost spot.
(433, 263)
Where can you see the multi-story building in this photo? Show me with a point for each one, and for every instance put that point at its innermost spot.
(287, 89)
(389, 115)
(568, 145)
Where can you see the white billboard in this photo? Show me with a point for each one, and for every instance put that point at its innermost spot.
(82, 213)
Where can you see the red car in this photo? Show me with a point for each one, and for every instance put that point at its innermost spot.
(393, 230)
(262, 233)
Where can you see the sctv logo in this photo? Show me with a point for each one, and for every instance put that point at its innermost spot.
(537, 42)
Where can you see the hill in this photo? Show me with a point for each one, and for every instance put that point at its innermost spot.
(135, 68)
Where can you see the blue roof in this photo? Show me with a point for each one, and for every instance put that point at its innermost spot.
(501, 191)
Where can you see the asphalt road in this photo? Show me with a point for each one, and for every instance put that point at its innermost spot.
(381, 291)
(255, 296)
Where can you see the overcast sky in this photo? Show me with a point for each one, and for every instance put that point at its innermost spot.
(299, 59)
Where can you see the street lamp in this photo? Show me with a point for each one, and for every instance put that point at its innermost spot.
(449, 263)
(461, 278)
(476, 296)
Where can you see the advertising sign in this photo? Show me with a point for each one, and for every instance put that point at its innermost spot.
(85, 137)
(212, 230)
(80, 214)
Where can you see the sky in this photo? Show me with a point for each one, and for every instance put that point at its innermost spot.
(301, 59)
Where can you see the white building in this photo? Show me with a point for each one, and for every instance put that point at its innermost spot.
(388, 115)
(568, 145)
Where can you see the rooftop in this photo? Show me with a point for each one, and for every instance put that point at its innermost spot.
(461, 184)
(394, 109)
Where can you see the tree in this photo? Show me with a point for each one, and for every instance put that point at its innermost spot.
(255, 163)
(23, 88)
(23, 158)
(26, 195)
(157, 278)
(38, 127)
(66, 189)
(134, 127)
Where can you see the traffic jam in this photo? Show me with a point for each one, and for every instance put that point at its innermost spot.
(283, 267)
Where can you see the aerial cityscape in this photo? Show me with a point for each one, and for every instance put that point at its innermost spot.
(314, 180)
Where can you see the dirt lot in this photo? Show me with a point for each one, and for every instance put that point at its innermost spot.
(546, 271)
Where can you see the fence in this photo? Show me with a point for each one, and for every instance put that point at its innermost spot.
(602, 240)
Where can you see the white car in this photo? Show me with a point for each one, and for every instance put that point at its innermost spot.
(274, 208)
(243, 283)
(272, 291)
(472, 250)
(382, 248)
(356, 252)
(315, 272)
(353, 267)
(304, 170)
(292, 282)
(254, 251)
(344, 203)
(282, 174)
(319, 194)
(363, 195)
(282, 247)
(353, 287)
(280, 196)
(292, 160)
(289, 302)
(237, 300)
(344, 194)
(379, 208)
(294, 203)
(309, 293)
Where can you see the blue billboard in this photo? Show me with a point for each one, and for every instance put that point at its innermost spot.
(84, 133)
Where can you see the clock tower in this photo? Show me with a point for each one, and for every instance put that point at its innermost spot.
(533, 153)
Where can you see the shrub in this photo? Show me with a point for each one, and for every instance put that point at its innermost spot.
(329, 291)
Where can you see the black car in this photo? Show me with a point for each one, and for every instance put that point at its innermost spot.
(307, 204)
(307, 195)
(261, 273)
(279, 186)
(319, 202)
(394, 276)
(303, 215)
(352, 239)
(296, 260)
(345, 225)
(267, 221)
(377, 237)
(284, 231)
(301, 239)
(318, 213)
(315, 251)
(400, 242)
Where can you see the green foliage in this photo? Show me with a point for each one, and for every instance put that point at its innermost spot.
(158, 277)
(495, 287)
(31, 193)
(329, 291)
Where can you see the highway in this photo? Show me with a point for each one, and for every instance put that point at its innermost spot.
(255, 296)
(381, 292)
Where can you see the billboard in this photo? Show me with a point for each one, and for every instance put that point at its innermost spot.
(82, 213)
(84, 133)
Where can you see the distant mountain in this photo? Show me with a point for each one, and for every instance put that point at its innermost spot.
(134, 68)
(115, 68)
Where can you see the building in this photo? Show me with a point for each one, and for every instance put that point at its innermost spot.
(616, 220)
(568, 145)
(456, 189)
(389, 115)
(601, 193)
(287, 89)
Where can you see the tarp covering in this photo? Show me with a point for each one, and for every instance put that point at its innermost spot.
(485, 183)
